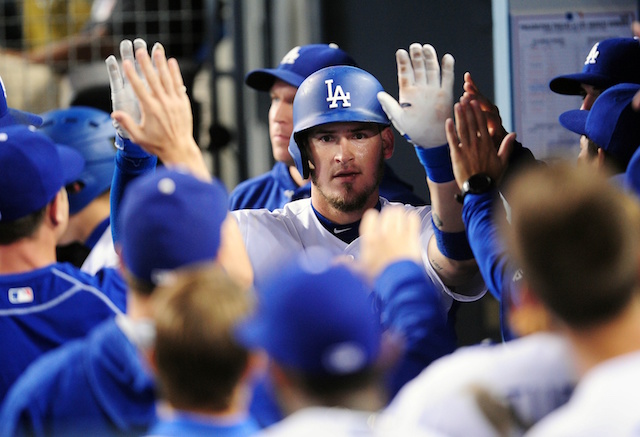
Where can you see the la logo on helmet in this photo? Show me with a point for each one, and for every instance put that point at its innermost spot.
(337, 94)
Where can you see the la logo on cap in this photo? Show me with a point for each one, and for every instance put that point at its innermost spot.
(593, 55)
(337, 94)
(291, 56)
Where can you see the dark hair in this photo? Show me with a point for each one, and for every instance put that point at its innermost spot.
(24, 227)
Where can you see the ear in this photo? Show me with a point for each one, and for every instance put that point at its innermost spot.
(388, 141)
(601, 158)
(59, 208)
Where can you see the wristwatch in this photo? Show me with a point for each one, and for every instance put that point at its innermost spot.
(477, 184)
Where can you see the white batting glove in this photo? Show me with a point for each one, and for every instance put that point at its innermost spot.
(425, 96)
(122, 96)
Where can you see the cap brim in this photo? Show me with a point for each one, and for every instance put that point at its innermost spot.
(14, 116)
(569, 84)
(263, 79)
(574, 120)
(72, 163)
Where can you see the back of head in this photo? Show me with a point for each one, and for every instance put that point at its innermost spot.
(610, 62)
(315, 319)
(198, 361)
(33, 171)
(577, 238)
(611, 123)
(298, 64)
(169, 219)
(90, 132)
(332, 95)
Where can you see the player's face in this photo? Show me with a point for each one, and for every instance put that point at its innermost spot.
(589, 95)
(281, 120)
(348, 160)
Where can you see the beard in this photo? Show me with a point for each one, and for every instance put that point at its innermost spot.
(351, 200)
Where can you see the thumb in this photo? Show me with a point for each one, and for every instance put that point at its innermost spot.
(391, 107)
(506, 147)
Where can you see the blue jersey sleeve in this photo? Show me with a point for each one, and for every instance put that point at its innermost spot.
(495, 266)
(411, 306)
(131, 162)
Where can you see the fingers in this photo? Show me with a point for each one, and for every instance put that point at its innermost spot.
(418, 63)
(138, 44)
(160, 62)
(452, 136)
(461, 124)
(447, 72)
(116, 81)
(405, 71)
(368, 222)
(506, 147)
(432, 65)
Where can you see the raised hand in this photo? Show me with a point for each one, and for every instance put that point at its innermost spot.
(388, 236)
(425, 95)
(165, 128)
(471, 146)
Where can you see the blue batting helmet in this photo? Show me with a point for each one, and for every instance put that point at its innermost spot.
(333, 94)
(90, 132)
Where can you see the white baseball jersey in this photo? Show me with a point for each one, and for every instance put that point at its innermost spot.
(102, 255)
(336, 422)
(533, 374)
(605, 403)
(270, 237)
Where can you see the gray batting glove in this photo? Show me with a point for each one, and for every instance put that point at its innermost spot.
(425, 96)
(122, 96)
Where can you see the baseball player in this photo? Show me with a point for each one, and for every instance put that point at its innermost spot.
(284, 182)
(87, 241)
(99, 385)
(10, 116)
(203, 380)
(608, 131)
(341, 138)
(43, 303)
(609, 62)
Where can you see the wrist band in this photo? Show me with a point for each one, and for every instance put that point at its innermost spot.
(454, 245)
(130, 149)
(437, 163)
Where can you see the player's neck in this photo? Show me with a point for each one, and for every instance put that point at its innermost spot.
(608, 340)
(27, 254)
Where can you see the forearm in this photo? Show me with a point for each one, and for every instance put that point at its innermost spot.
(410, 306)
(131, 162)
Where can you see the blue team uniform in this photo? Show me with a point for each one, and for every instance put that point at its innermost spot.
(272, 190)
(187, 424)
(47, 307)
(92, 386)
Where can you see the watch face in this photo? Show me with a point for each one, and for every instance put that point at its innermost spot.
(478, 183)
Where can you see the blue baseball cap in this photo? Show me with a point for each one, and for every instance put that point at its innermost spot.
(314, 317)
(610, 62)
(299, 63)
(170, 219)
(10, 116)
(611, 122)
(32, 170)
